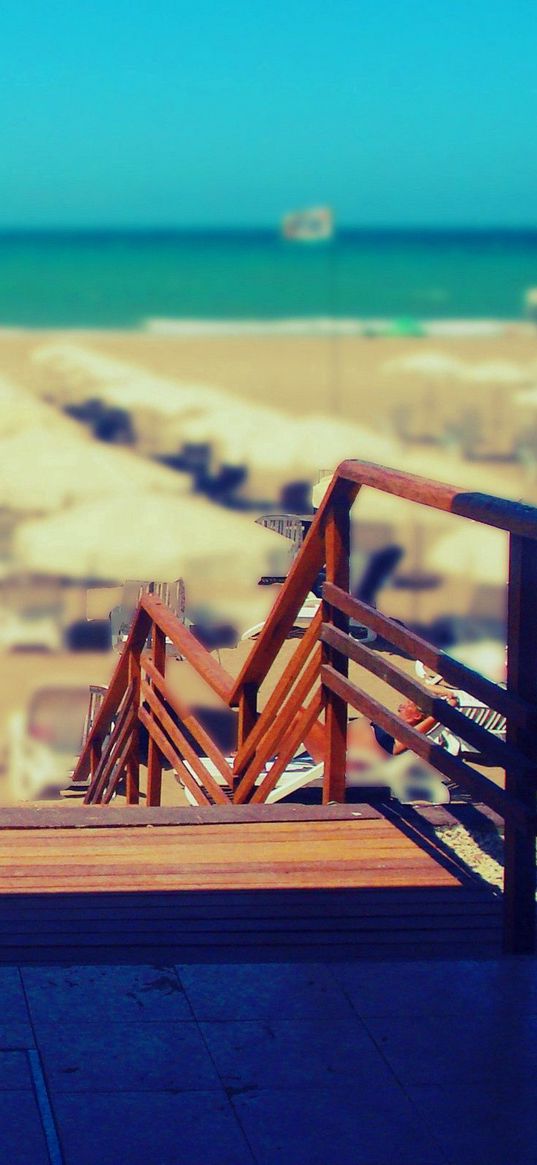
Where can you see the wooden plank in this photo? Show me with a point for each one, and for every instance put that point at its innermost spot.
(519, 711)
(272, 738)
(496, 751)
(204, 663)
(190, 722)
(132, 767)
(286, 905)
(247, 717)
(337, 543)
(68, 817)
(253, 925)
(479, 786)
(279, 693)
(519, 931)
(122, 732)
(119, 770)
(154, 757)
(169, 752)
(306, 717)
(182, 746)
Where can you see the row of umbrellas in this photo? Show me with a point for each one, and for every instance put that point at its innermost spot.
(274, 447)
(84, 510)
(432, 364)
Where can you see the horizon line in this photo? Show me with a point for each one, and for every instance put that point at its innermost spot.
(197, 229)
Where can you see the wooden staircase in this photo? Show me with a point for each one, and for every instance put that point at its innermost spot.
(309, 702)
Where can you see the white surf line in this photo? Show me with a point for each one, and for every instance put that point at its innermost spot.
(45, 1109)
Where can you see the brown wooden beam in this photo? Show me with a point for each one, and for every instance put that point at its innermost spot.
(508, 703)
(519, 868)
(337, 541)
(496, 751)
(457, 770)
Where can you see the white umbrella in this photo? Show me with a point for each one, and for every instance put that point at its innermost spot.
(324, 442)
(431, 364)
(45, 469)
(22, 410)
(85, 371)
(477, 553)
(527, 397)
(496, 372)
(153, 536)
(158, 404)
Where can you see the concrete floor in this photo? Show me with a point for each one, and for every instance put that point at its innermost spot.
(370, 1063)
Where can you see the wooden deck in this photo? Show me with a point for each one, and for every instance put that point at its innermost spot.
(343, 881)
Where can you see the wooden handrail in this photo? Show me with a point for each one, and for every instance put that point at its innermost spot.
(441, 711)
(489, 510)
(451, 766)
(455, 673)
(186, 643)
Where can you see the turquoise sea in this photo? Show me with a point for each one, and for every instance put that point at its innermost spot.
(116, 279)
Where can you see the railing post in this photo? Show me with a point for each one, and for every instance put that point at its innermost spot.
(519, 848)
(154, 759)
(337, 544)
(247, 717)
(133, 763)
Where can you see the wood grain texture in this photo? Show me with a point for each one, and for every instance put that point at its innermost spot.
(271, 855)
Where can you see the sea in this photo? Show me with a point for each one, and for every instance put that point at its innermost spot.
(240, 280)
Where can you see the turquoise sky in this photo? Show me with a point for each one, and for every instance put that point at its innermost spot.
(160, 113)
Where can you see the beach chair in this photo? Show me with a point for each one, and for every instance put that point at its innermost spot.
(475, 710)
(407, 778)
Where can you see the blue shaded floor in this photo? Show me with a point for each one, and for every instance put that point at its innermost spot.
(363, 1063)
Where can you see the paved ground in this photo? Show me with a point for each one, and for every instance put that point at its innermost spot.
(300, 1064)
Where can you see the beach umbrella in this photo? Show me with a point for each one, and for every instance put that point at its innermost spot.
(85, 371)
(276, 448)
(324, 442)
(476, 553)
(154, 536)
(437, 466)
(467, 476)
(262, 440)
(158, 405)
(528, 398)
(45, 469)
(22, 410)
(431, 364)
(497, 372)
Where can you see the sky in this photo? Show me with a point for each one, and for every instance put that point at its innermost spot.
(217, 113)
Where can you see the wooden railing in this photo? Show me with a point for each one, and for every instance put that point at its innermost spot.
(309, 701)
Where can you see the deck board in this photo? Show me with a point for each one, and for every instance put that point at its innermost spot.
(275, 855)
(339, 887)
